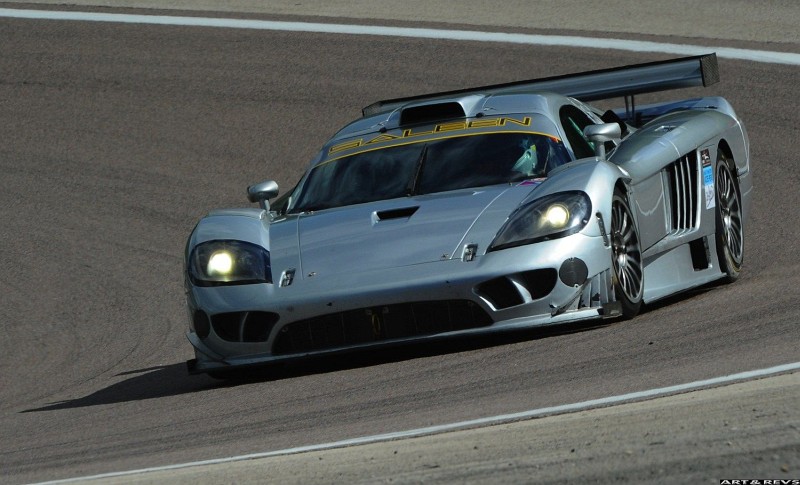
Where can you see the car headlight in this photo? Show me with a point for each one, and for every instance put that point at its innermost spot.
(550, 217)
(216, 263)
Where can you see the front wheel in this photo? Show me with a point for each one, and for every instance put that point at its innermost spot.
(729, 233)
(626, 257)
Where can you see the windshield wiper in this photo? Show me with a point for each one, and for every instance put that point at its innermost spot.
(411, 188)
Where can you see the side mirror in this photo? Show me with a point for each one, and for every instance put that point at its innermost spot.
(600, 134)
(262, 192)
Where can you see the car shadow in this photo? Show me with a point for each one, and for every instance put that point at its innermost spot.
(173, 379)
(141, 384)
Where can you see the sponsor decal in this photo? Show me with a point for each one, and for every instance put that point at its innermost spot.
(442, 128)
(708, 179)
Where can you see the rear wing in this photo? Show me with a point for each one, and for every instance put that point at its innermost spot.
(625, 81)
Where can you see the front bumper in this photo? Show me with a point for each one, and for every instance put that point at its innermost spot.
(504, 287)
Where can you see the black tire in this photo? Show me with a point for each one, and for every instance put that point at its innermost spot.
(626, 257)
(729, 228)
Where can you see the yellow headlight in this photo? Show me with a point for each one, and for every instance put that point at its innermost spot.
(220, 264)
(557, 215)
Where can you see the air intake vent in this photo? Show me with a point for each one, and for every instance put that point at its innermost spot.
(516, 289)
(244, 326)
(379, 324)
(402, 213)
(683, 193)
(431, 112)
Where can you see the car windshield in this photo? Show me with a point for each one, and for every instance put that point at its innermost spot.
(429, 167)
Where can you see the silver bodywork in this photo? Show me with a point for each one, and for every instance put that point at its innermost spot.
(419, 267)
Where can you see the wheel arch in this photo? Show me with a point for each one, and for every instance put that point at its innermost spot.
(724, 149)
(622, 185)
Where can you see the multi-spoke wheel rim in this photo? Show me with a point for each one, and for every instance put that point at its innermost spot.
(730, 211)
(627, 255)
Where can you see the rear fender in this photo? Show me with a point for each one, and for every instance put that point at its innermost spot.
(669, 137)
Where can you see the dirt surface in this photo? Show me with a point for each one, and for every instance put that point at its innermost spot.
(114, 139)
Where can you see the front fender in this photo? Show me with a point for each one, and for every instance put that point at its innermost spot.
(597, 178)
(249, 225)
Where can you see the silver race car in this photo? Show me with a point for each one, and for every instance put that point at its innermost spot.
(478, 210)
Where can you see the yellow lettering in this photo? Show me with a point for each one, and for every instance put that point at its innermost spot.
(382, 138)
(441, 128)
(408, 134)
(454, 126)
(346, 146)
(526, 121)
(484, 123)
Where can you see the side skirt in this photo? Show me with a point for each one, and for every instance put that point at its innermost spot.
(673, 271)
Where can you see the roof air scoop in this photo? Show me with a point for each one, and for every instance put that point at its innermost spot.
(428, 113)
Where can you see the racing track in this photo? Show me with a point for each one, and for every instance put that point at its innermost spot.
(114, 139)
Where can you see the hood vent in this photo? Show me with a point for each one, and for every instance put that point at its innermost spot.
(403, 213)
(431, 112)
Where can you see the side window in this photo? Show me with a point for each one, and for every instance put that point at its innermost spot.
(574, 121)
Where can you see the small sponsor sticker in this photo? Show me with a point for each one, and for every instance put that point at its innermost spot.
(708, 179)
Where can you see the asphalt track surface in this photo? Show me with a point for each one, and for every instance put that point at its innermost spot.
(114, 139)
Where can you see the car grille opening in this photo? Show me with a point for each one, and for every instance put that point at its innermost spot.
(380, 323)
(201, 324)
(501, 293)
(244, 326)
(518, 288)
(700, 254)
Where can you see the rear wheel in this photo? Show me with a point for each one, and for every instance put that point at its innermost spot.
(729, 233)
(626, 257)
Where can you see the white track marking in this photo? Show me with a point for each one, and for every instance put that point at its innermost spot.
(464, 35)
(487, 421)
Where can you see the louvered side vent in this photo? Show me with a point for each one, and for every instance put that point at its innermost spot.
(684, 193)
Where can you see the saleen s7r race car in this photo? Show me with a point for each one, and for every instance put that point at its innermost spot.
(478, 210)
